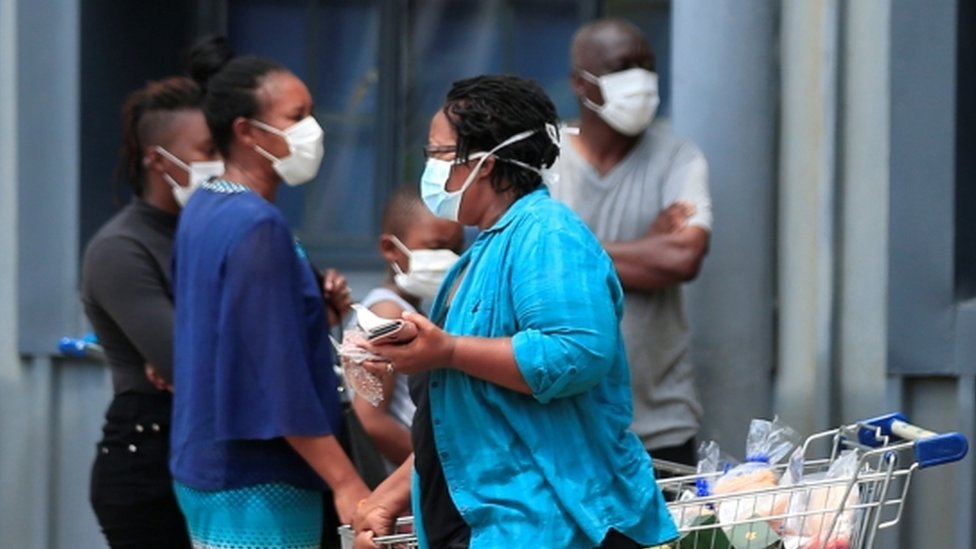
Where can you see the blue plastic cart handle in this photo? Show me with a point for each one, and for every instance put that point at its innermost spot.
(931, 449)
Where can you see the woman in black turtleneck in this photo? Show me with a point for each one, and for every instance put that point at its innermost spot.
(127, 292)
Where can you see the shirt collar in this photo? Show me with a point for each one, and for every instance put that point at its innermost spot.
(519, 206)
(223, 186)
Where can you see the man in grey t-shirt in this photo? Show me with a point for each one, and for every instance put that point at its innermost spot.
(644, 193)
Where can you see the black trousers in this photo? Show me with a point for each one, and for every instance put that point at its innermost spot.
(131, 488)
(616, 540)
(685, 454)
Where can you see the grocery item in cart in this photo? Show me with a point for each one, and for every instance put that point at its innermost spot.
(768, 443)
(709, 459)
(823, 513)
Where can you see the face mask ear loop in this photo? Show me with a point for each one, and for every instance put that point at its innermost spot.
(272, 158)
(266, 127)
(553, 132)
(172, 158)
(403, 248)
(589, 77)
(172, 182)
(514, 139)
(595, 80)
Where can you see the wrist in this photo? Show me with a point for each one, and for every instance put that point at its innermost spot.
(346, 482)
(451, 351)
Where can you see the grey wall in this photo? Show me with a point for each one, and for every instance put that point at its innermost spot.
(727, 107)
(47, 84)
(38, 247)
(932, 330)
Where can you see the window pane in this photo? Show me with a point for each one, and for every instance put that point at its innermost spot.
(453, 39)
(333, 47)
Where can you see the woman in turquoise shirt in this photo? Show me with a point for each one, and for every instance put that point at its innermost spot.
(520, 374)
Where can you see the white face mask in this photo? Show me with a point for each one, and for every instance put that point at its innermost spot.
(447, 204)
(305, 145)
(199, 172)
(426, 271)
(630, 99)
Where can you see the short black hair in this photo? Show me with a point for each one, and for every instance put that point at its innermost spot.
(145, 113)
(229, 85)
(485, 110)
(402, 209)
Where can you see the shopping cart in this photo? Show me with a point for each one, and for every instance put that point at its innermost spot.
(402, 537)
(816, 511)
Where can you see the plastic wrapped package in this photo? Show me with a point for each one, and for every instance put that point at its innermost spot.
(708, 463)
(815, 516)
(767, 444)
(360, 380)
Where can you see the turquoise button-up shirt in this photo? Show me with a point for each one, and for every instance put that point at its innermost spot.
(557, 468)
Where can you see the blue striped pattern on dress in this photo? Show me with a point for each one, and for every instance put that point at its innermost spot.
(264, 516)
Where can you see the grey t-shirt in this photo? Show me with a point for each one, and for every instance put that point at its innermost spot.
(622, 205)
(127, 292)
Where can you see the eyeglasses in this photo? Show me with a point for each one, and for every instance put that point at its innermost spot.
(438, 150)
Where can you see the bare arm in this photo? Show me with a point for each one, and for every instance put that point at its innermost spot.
(659, 260)
(672, 249)
(390, 500)
(490, 359)
(391, 437)
(327, 458)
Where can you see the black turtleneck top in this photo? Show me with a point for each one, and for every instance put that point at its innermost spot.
(127, 293)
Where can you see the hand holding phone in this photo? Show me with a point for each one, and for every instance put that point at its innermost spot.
(383, 330)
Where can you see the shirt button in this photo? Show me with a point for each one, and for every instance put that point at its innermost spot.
(435, 384)
(437, 422)
(154, 427)
(104, 450)
(132, 448)
(139, 428)
(445, 456)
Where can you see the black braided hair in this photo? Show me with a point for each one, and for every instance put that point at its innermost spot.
(485, 110)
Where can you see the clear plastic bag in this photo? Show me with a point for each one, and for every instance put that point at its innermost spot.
(767, 444)
(709, 457)
(813, 510)
(360, 380)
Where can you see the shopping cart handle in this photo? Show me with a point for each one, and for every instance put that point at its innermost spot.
(930, 448)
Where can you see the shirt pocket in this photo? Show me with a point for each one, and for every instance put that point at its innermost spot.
(480, 317)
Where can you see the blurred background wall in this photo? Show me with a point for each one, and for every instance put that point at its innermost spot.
(840, 136)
